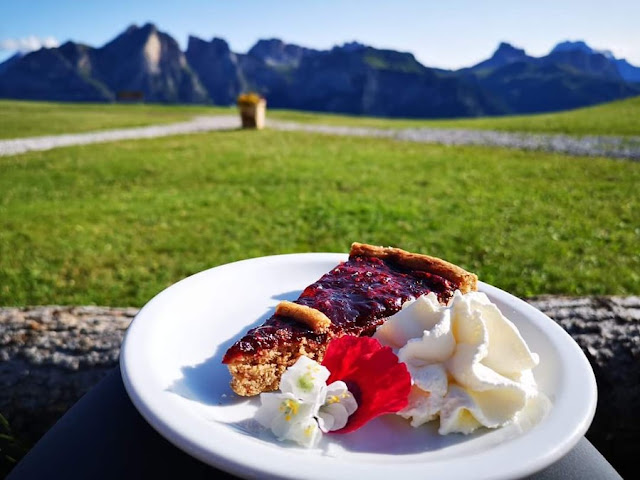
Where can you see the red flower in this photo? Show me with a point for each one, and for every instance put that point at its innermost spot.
(379, 383)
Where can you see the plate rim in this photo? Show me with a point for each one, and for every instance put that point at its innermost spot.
(148, 407)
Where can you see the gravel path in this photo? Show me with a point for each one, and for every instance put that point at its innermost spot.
(593, 145)
(197, 125)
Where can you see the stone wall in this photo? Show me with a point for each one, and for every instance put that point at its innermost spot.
(50, 356)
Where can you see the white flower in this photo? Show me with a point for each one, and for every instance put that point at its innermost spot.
(306, 407)
(338, 405)
(289, 418)
(306, 433)
(306, 379)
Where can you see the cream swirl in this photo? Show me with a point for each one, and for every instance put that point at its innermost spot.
(468, 363)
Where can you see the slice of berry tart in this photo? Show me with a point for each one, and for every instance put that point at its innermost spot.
(352, 299)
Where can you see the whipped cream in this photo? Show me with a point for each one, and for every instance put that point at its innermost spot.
(468, 363)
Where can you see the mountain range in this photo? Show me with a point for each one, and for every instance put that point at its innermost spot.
(145, 63)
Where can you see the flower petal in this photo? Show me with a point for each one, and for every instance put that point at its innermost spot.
(332, 417)
(379, 383)
(285, 415)
(306, 380)
(339, 404)
(306, 433)
(338, 393)
(270, 407)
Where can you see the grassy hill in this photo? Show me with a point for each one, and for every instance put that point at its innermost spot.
(114, 224)
(24, 119)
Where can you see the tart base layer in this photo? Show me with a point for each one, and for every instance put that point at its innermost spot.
(352, 299)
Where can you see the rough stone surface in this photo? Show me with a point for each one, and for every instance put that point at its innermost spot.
(50, 356)
(608, 331)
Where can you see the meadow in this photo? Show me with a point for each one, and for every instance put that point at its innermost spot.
(113, 224)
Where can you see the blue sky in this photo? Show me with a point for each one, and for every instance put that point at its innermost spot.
(447, 34)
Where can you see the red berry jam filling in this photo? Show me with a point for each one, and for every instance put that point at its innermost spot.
(357, 296)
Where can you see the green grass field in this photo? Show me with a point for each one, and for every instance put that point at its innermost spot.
(113, 224)
(616, 118)
(28, 119)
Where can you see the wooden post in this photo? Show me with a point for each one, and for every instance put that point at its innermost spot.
(252, 111)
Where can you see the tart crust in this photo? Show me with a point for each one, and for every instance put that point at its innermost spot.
(260, 371)
(466, 281)
(310, 316)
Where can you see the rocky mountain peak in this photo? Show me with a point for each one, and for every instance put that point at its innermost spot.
(508, 52)
(581, 46)
(10, 61)
(275, 52)
(146, 28)
(130, 29)
(153, 52)
(578, 55)
(217, 68)
(149, 27)
(504, 55)
(133, 37)
(268, 45)
(217, 46)
(145, 63)
(624, 69)
(79, 55)
(352, 47)
(569, 46)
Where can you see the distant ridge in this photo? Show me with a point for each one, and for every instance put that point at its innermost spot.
(504, 55)
(147, 64)
(627, 71)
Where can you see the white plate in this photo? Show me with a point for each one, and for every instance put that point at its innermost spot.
(171, 366)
